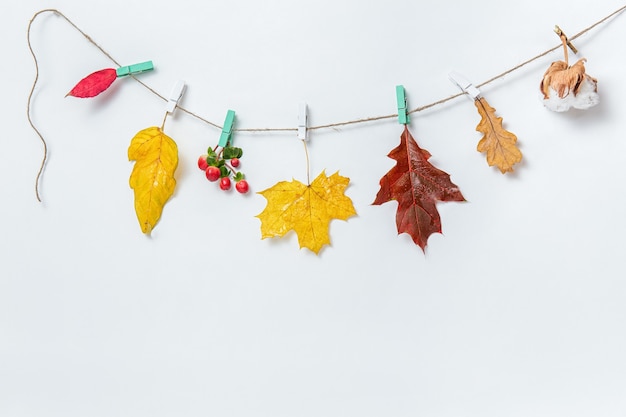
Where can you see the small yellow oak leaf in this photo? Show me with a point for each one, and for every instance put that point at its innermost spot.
(152, 179)
(499, 144)
(306, 209)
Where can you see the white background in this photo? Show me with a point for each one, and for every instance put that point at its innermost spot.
(517, 309)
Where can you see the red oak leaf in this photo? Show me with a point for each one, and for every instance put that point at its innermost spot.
(94, 83)
(417, 186)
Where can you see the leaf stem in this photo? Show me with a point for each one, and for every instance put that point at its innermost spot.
(308, 164)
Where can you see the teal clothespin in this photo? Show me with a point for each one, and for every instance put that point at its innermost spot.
(403, 116)
(227, 130)
(134, 69)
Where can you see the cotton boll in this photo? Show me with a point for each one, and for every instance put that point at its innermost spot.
(564, 87)
(587, 97)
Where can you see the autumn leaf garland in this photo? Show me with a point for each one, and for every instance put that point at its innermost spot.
(413, 182)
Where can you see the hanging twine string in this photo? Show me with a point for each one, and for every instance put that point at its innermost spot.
(208, 122)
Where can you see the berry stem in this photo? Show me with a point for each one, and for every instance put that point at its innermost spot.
(230, 168)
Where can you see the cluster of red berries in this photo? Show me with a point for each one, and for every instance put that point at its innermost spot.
(216, 167)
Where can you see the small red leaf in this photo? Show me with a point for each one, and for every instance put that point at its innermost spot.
(94, 83)
(417, 186)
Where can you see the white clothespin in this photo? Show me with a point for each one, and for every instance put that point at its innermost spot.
(175, 96)
(302, 121)
(464, 85)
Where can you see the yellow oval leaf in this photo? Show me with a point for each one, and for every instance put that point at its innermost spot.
(156, 158)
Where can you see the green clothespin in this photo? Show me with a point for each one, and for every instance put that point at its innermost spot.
(403, 116)
(134, 69)
(227, 130)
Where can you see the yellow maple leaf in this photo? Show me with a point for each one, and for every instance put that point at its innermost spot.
(152, 179)
(499, 144)
(306, 209)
